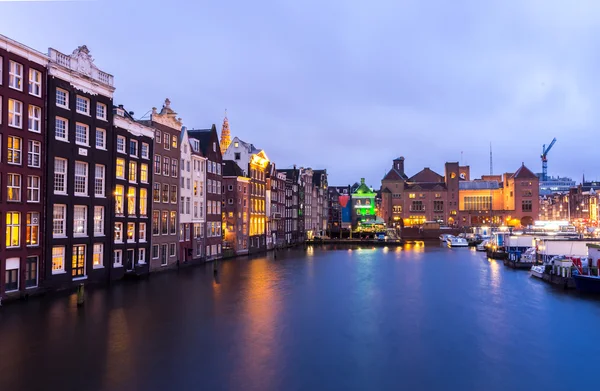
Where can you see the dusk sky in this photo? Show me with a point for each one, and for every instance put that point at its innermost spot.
(350, 85)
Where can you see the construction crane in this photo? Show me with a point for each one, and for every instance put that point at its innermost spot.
(545, 159)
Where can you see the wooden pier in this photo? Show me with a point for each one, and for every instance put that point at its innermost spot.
(518, 265)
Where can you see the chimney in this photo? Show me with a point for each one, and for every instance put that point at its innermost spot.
(362, 181)
(399, 164)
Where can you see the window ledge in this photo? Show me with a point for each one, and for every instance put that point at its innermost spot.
(33, 245)
(101, 149)
(116, 266)
(141, 263)
(80, 278)
(98, 267)
(131, 241)
(62, 139)
(82, 145)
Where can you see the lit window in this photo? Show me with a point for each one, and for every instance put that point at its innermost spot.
(32, 235)
(81, 177)
(131, 193)
(143, 201)
(101, 111)
(144, 173)
(14, 188)
(130, 232)
(58, 260)
(173, 194)
(78, 261)
(98, 261)
(80, 220)
(132, 171)
(62, 98)
(98, 220)
(35, 119)
(59, 220)
(13, 144)
(173, 222)
(60, 176)
(15, 113)
(61, 131)
(121, 144)
(13, 229)
(35, 82)
(119, 190)
(142, 232)
(120, 168)
(174, 142)
(81, 134)
(100, 138)
(118, 232)
(82, 105)
(33, 188)
(15, 75)
(34, 153)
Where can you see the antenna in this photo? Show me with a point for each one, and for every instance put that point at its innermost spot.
(491, 161)
(461, 158)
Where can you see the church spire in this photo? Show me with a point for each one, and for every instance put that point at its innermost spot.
(225, 134)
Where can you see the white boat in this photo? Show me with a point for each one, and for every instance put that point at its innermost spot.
(444, 237)
(537, 271)
(482, 246)
(457, 242)
(528, 256)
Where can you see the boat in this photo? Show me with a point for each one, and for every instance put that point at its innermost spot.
(482, 246)
(528, 256)
(457, 242)
(588, 284)
(537, 271)
(444, 237)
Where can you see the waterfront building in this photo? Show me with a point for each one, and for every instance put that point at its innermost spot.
(209, 146)
(276, 190)
(364, 215)
(236, 208)
(165, 195)
(508, 199)
(583, 204)
(185, 199)
(294, 220)
(80, 161)
(555, 207)
(198, 195)
(253, 162)
(22, 158)
(310, 224)
(334, 216)
(426, 196)
(321, 212)
(132, 179)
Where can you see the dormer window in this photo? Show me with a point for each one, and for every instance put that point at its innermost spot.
(236, 144)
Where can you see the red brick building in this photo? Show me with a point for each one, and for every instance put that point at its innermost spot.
(22, 153)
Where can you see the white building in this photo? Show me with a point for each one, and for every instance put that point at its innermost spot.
(198, 179)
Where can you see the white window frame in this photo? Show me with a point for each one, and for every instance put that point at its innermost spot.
(167, 145)
(104, 112)
(98, 222)
(15, 117)
(62, 174)
(85, 179)
(57, 220)
(142, 233)
(131, 201)
(11, 184)
(16, 152)
(118, 225)
(118, 176)
(84, 108)
(15, 75)
(141, 256)
(101, 132)
(98, 249)
(132, 240)
(35, 82)
(66, 94)
(62, 253)
(78, 209)
(123, 148)
(134, 142)
(31, 189)
(145, 154)
(30, 225)
(100, 180)
(142, 179)
(132, 177)
(86, 134)
(32, 146)
(35, 119)
(11, 225)
(173, 253)
(157, 251)
(118, 255)
(143, 201)
(66, 129)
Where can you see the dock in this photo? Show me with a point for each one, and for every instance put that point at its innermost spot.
(357, 242)
(564, 282)
(517, 264)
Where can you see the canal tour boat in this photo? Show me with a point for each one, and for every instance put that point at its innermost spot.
(482, 246)
(454, 241)
(444, 237)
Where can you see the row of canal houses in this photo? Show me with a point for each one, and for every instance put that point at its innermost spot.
(90, 194)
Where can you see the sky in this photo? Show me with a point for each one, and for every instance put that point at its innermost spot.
(350, 85)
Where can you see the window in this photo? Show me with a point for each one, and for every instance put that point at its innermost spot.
(60, 176)
(157, 136)
(172, 249)
(477, 202)
(33, 153)
(33, 188)
(142, 232)
(118, 232)
(35, 82)
(58, 260)
(120, 168)
(155, 222)
(132, 171)
(130, 232)
(145, 151)
(78, 261)
(144, 173)
(97, 261)
(195, 188)
(81, 134)
(82, 105)
(13, 229)
(219, 169)
(143, 201)
(526, 206)
(35, 119)
(131, 193)
(79, 220)
(100, 138)
(163, 260)
(155, 251)
(31, 269)
(62, 98)
(99, 180)
(13, 188)
(133, 148)
(157, 164)
(174, 168)
(173, 194)
(59, 220)
(81, 178)
(174, 141)
(164, 222)
(121, 144)
(167, 139)
(165, 166)
(98, 221)
(15, 75)
(101, 111)
(11, 275)
(61, 129)
(119, 190)
(142, 255)
(15, 113)
(237, 156)
(187, 205)
(165, 193)
(13, 144)
(156, 192)
(173, 223)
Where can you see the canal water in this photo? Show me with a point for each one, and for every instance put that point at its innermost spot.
(414, 318)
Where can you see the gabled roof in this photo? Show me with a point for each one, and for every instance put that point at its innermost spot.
(426, 175)
(317, 174)
(362, 188)
(249, 146)
(386, 190)
(204, 136)
(230, 168)
(395, 175)
(425, 186)
(524, 173)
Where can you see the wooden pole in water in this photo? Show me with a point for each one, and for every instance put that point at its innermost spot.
(80, 295)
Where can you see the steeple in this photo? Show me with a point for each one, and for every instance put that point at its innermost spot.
(225, 134)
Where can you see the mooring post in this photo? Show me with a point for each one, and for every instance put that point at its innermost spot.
(80, 295)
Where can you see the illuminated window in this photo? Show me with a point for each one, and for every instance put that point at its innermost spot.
(13, 229)
(58, 260)
(131, 232)
(143, 202)
(132, 171)
(131, 193)
(411, 195)
(118, 232)
(120, 168)
(98, 255)
(119, 190)
(32, 236)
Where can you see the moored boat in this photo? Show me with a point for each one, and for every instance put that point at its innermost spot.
(444, 237)
(482, 246)
(538, 271)
(588, 284)
(457, 242)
